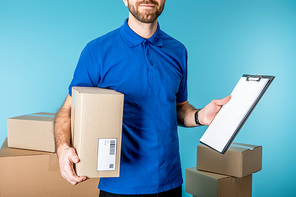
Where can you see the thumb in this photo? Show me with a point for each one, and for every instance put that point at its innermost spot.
(223, 101)
(73, 156)
(75, 159)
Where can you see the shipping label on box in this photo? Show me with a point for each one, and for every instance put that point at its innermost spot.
(32, 131)
(201, 183)
(96, 130)
(106, 154)
(240, 160)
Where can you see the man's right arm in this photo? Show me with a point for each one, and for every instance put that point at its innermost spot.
(66, 154)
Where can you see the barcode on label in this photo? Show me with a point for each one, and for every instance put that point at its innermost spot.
(112, 147)
(106, 154)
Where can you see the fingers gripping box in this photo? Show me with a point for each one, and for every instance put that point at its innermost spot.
(96, 129)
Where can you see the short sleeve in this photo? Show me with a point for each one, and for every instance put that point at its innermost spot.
(182, 94)
(83, 74)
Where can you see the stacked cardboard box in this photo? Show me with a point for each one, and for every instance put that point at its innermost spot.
(29, 164)
(224, 175)
(35, 173)
(32, 132)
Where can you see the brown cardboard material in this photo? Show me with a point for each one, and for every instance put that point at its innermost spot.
(33, 132)
(33, 174)
(201, 183)
(240, 160)
(96, 115)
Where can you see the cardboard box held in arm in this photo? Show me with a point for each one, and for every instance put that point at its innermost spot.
(96, 124)
(29, 173)
(240, 160)
(200, 183)
(33, 132)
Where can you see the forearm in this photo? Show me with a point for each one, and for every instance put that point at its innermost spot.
(205, 116)
(63, 127)
(186, 115)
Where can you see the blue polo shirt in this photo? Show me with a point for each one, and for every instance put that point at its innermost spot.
(152, 75)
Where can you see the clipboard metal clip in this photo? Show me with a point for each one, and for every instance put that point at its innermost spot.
(254, 78)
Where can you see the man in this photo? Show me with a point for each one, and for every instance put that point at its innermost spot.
(150, 68)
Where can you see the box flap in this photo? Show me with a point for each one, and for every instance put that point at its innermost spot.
(46, 113)
(248, 146)
(95, 90)
(12, 152)
(240, 147)
(41, 116)
(208, 174)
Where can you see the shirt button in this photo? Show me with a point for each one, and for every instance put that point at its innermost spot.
(149, 52)
(151, 62)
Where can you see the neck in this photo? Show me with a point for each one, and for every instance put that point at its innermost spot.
(145, 30)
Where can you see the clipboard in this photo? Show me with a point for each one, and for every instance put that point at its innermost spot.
(232, 116)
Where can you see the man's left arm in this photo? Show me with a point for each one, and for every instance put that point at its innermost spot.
(186, 113)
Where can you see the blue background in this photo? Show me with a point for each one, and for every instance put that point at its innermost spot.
(40, 43)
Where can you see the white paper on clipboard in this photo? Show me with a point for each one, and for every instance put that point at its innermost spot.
(232, 115)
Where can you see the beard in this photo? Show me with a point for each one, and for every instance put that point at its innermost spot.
(146, 16)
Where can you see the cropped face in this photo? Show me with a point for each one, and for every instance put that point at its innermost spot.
(145, 11)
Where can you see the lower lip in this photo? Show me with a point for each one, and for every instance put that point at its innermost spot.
(147, 6)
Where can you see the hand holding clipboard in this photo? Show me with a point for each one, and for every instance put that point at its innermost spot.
(234, 114)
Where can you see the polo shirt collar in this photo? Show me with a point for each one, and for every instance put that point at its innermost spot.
(133, 39)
